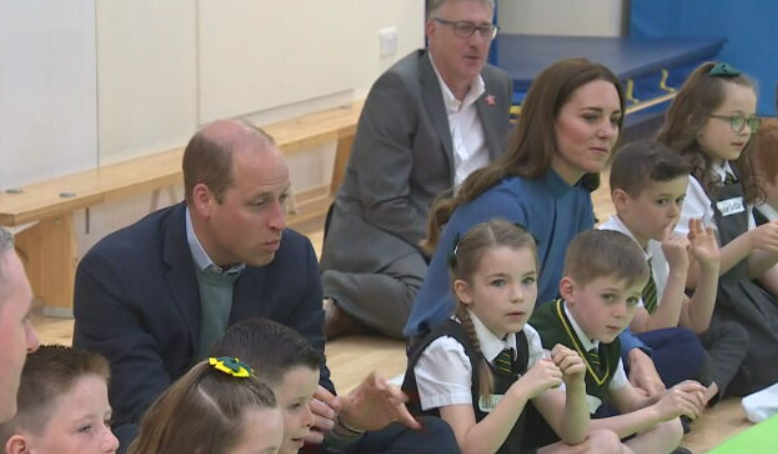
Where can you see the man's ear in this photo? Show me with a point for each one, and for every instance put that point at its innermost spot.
(202, 199)
(567, 289)
(462, 292)
(620, 199)
(17, 444)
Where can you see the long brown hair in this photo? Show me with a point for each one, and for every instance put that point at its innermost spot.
(202, 412)
(532, 145)
(465, 258)
(688, 114)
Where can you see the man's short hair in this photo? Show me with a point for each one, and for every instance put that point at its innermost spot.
(434, 5)
(270, 348)
(209, 161)
(596, 254)
(640, 163)
(49, 373)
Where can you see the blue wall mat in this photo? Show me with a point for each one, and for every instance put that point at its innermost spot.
(750, 26)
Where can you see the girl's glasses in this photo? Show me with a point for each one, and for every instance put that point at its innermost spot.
(738, 122)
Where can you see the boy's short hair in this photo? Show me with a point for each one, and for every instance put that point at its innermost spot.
(766, 150)
(48, 373)
(605, 253)
(270, 348)
(640, 163)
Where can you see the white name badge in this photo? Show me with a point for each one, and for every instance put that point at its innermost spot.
(487, 404)
(731, 206)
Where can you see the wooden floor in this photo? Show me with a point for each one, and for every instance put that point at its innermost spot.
(350, 359)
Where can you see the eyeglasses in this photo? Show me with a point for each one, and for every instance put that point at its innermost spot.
(738, 122)
(465, 29)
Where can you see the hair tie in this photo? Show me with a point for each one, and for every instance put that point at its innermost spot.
(724, 70)
(231, 366)
(452, 254)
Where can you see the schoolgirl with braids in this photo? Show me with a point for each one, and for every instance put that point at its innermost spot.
(712, 122)
(218, 407)
(479, 370)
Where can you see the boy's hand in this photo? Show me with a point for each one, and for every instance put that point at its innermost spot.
(542, 376)
(676, 249)
(704, 247)
(684, 399)
(765, 237)
(569, 363)
(324, 407)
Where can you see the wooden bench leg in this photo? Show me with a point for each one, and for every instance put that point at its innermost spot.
(342, 154)
(48, 251)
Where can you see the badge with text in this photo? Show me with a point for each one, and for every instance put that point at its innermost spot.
(731, 206)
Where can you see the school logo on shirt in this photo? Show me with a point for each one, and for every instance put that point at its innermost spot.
(487, 404)
(731, 206)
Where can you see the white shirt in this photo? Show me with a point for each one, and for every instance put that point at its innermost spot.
(768, 211)
(619, 376)
(698, 205)
(467, 133)
(443, 373)
(660, 269)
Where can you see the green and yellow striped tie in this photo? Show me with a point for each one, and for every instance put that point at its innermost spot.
(593, 357)
(730, 179)
(649, 291)
(504, 360)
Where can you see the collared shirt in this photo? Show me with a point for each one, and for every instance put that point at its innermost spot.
(200, 257)
(660, 269)
(467, 134)
(698, 205)
(443, 372)
(768, 211)
(619, 377)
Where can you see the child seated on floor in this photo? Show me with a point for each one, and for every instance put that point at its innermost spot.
(62, 405)
(711, 123)
(286, 362)
(766, 160)
(218, 407)
(290, 365)
(604, 276)
(481, 369)
(648, 184)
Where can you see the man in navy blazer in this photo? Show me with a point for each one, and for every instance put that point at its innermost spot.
(138, 291)
(153, 297)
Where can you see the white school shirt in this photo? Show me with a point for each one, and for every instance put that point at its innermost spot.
(467, 133)
(768, 211)
(698, 205)
(659, 266)
(443, 373)
(619, 376)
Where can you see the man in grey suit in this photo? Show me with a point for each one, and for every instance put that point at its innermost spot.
(428, 122)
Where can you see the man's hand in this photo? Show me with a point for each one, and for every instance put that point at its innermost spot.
(643, 374)
(375, 404)
(324, 407)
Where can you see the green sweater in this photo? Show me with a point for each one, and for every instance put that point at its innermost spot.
(554, 327)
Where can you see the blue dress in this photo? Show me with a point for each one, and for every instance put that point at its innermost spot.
(552, 210)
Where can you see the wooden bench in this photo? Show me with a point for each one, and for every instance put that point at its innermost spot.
(48, 246)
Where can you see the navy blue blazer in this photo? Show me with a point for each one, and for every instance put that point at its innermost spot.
(137, 302)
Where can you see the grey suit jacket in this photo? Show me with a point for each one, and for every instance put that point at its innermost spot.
(402, 158)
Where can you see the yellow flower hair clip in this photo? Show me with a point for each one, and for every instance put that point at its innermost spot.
(231, 366)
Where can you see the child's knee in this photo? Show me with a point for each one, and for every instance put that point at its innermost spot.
(605, 442)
